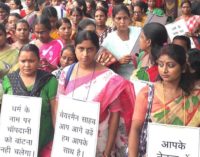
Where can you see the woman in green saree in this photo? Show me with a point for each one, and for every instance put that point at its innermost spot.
(8, 54)
(175, 100)
(30, 81)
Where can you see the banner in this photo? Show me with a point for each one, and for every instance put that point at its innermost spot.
(172, 141)
(76, 128)
(178, 28)
(19, 127)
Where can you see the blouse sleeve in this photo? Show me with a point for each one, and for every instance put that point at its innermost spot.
(7, 88)
(141, 105)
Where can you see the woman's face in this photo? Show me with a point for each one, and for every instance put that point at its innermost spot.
(151, 3)
(53, 21)
(100, 18)
(3, 15)
(169, 70)
(121, 21)
(12, 20)
(137, 13)
(76, 18)
(13, 5)
(86, 52)
(65, 31)
(186, 9)
(29, 3)
(89, 7)
(28, 63)
(2, 39)
(144, 42)
(42, 33)
(22, 32)
(67, 58)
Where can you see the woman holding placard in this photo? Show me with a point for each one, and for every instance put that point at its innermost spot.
(29, 81)
(90, 81)
(172, 100)
(121, 41)
(192, 22)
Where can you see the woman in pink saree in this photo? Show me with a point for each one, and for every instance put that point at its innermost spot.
(90, 81)
(49, 49)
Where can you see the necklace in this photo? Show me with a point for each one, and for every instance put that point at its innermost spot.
(89, 83)
(164, 106)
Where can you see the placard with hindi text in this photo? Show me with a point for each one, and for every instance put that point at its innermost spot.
(76, 128)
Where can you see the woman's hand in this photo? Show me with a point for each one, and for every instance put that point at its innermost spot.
(106, 58)
(112, 132)
(44, 64)
(134, 137)
(125, 59)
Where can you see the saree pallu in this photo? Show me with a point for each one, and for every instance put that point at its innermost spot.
(8, 59)
(183, 110)
(193, 24)
(114, 93)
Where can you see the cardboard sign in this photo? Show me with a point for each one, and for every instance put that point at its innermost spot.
(19, 127)
(76, 128)
(172, 141)
(178, 28)
(155, 18)
(139, 84)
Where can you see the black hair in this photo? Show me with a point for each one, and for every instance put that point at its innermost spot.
(30, 47)
(194, 61)
(102, 10)
(49, 11)
(84, 23)
(44, 21)
(18, 3)
(82, 5)
(78, 10)
(184, 38)
(118, 8)
(87, 35)
(63, 20)
(157, 33)
(16, 15)
(40, 2)
(118, 1)
(104, 4)
(3, 28)
(23, 21)
(5, 7)
(71, 48)
(178, 53)
(186, 1)
(93, 7)
(142, 5)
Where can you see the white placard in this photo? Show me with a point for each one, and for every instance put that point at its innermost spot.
(172, 141)
(139, 84)
(20, 124)
(76, 128)
(178, 28)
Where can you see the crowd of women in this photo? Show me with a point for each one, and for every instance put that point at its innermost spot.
(84, 50)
